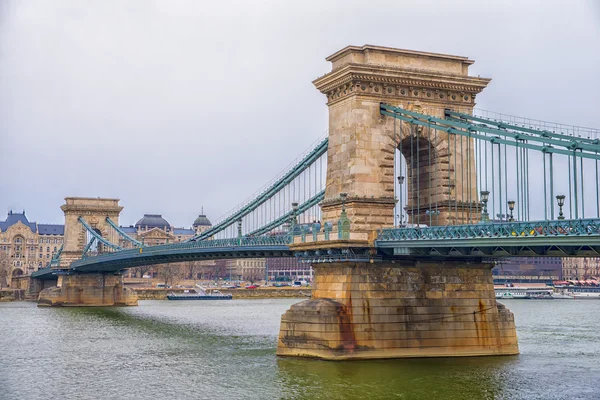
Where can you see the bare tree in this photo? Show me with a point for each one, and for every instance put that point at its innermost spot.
(4, 268)
(253, 275)
(220, 271)
(141, 271)
(191, 269)
(170, 273)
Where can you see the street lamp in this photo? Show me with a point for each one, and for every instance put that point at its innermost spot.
(560, 198)
(484, 199)
(511, 207)
(400, 182)
(294, 213)
(430, 213)
(343, 196)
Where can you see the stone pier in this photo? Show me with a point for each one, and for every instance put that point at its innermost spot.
(88, 290)
(395, 310)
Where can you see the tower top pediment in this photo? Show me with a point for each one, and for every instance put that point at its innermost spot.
(395, 75)
(392, 57)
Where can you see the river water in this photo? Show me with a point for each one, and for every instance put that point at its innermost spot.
(226, 350)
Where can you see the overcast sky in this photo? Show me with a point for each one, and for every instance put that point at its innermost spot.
(174, 105)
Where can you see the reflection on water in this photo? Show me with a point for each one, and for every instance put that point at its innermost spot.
(226, 350)
(473, 378)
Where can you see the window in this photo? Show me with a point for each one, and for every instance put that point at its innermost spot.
(41, 248)
(47, 255)
(48, 249)
(55, 248)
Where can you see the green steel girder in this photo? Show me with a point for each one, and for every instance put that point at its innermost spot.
(55, 261)
(571, 144)
(286, 217)
(244, 247)
(97, 236)
(47, 273)
(286, 179)
(452, 125)
(492, 251)
(88, 246)
(539, 238)
(123, 234)
(542, 133)
(518, 230)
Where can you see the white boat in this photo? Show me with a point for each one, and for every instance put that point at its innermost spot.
(200, 293)
(585, 292)
(580, 292)
(511, 292)
(562, 296)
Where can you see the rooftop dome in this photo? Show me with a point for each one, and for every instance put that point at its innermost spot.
(152, 221)
(202, 221)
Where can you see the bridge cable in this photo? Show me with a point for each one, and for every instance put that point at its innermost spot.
(289, 215)
(97, 236)
(123, 234)
(288, 179)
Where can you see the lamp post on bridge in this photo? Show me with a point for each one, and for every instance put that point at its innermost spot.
(484, 199)
(401, 215)
(431, 212)
(511, 207)
(294, 213)
(294, 219)
(560, 198)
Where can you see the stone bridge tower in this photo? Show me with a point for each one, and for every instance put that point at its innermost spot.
(87, 289)
(94, 211)
(362, 142)
(408, 306)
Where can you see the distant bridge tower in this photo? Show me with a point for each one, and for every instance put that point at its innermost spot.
(362, 142)
(96, 289)
(94, 211)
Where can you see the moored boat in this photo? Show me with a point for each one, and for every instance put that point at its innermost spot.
(581, 291)
(585, 292)
(199, 293)
(562, 296)
(523, 292)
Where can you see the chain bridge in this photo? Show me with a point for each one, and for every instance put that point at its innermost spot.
(401, 211)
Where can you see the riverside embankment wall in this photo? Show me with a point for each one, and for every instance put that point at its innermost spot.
(260, 293)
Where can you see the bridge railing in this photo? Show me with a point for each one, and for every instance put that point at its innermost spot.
(239, 242)
(581, 227)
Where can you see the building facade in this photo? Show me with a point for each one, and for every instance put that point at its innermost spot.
(27, 246)
(528, 269)
(581, 269)
(287, 269)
